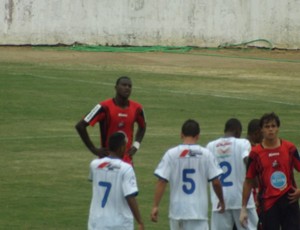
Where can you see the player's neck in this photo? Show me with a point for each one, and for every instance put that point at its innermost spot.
(121, 102)
(271, 143)
(189, 140)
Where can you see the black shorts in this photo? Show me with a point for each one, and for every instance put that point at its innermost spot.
(281, 216)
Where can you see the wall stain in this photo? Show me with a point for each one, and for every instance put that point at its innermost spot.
(9, 7)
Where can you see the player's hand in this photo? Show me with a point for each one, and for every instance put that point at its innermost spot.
(244, 217)
(294, 195)
(221, 207)
(132, 151)
(154, 214)
(141, 226)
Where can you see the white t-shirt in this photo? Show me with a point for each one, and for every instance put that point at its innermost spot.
(188, 168)
(230, 153)
(112, 180)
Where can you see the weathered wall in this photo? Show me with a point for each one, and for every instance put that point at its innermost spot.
(154, 22)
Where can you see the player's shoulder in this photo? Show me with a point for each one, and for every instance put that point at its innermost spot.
(135, 104)
(107, 102)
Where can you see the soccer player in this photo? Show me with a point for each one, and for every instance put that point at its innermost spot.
(115, 114)
(273, 162)
(113, 204)
(231, 152)
(188, 168)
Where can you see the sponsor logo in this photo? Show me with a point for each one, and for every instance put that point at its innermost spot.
(278, 180)
(273, 154)
(122, 115)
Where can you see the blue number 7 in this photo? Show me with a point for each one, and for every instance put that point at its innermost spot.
(107, 185)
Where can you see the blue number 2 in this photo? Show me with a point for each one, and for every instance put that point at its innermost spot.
(186, 179)
(107, 187)
(228, 169)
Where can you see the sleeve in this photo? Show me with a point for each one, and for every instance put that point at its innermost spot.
(296, 158)
(246, 148)
(129, 183)
(163, 170)
(90, 177)
(251, 166)
(214, 169)
(140, 117)
(95, 115)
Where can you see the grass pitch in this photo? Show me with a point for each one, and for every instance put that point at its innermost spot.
(43, 163)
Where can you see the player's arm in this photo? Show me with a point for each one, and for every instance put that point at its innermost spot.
(247, 189)
(133, 205)
(217, 186)
(140, 133)
(159, 192)
(81, 128)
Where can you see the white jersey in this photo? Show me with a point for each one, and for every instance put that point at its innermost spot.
(112, 180)
(230, 153)
(188, 168)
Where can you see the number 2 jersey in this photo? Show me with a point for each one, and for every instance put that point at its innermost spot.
(274, 169)
(113, 180)
(113, 118)
(230, 153)
(188, 168)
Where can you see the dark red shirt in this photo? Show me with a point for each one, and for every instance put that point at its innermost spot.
(113, 118)
(274, 169)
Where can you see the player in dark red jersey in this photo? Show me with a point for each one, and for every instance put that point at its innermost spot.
(273, 162)
(113, 115)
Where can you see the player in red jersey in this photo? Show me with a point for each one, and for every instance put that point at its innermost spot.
(273, 162)
(113, 115)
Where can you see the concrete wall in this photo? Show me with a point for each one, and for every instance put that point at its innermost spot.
(203, 23)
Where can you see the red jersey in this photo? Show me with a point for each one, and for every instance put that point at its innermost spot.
(274, 169)
(113, 118)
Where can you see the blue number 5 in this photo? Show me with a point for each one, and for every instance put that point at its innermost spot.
(107, 187)
(188, 189)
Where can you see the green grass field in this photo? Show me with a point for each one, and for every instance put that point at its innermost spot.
(43, 163)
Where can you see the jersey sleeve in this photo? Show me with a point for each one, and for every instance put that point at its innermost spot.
(246, 148)
(296, 157)
(129, 183)
(163, 170)
(95, 115)
(251, 166)
(140, 117)
(214, 169)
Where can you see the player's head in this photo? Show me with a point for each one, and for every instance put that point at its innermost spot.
(117, 143)
(233, 127)
(269, 117)
(123, 87)
(254, 131)
(190, 128)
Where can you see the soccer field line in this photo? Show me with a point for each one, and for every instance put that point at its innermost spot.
(164, 90)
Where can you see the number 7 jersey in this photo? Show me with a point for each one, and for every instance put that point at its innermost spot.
(113, 180)
(188, 169)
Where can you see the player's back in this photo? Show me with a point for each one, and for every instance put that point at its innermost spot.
(230, 153)
(110, 186)
(191, 169)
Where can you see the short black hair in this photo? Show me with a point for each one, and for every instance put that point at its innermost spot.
(121, 78)
(116, 141)
(233, 125)
(190, 128)
(253, 126)
(267, 117)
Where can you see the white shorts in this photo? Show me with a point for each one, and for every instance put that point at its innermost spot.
(188, 224)
(226, 220)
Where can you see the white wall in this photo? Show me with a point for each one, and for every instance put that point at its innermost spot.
(200, 23)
